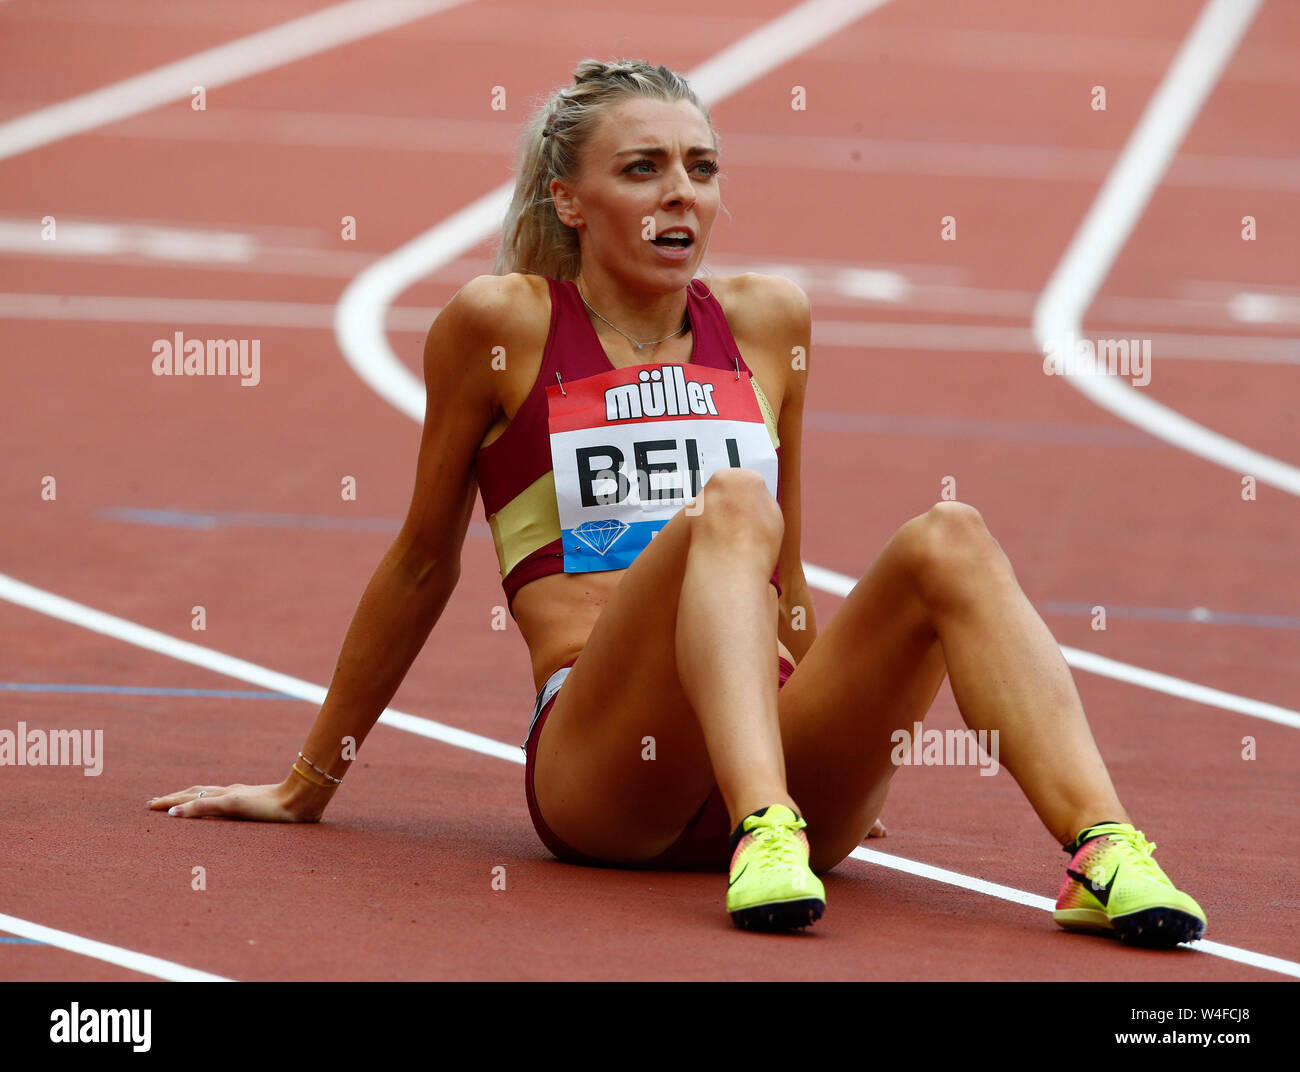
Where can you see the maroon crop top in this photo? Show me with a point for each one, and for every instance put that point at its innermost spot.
(514, 470)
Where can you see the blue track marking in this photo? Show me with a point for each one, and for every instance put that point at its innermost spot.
(212, 519)
(215, 519)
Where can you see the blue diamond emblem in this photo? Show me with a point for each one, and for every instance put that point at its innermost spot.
(600, 536)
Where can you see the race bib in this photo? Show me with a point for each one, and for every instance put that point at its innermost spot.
(631, 447)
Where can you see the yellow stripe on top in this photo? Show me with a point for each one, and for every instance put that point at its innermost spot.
(766, 407)
(528, 521)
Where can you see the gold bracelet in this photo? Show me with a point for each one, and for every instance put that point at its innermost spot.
(324, 774)
(303, 776)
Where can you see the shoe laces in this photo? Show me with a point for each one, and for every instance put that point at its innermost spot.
(776, 843)
(1138, 854)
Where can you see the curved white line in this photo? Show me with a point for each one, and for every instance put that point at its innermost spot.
(359, 316)
(1111, 219)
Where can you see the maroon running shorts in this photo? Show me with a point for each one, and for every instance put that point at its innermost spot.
(705, 844)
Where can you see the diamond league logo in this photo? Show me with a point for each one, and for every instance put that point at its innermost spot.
(600, 536)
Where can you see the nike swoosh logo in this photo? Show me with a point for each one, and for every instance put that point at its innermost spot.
(1102, 893)
(737, 878)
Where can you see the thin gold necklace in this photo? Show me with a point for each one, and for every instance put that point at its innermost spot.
(639, 345)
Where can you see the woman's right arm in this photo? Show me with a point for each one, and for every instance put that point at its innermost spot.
(413, 582)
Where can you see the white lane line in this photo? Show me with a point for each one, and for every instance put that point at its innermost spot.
(87, 618)
(359, 317)
(293, 40)
(1111, 219)
(1172, 686)
(1032, 900)
(359, 323)
(112, 954)
(775, 43)
(96, 621)
(841, 584)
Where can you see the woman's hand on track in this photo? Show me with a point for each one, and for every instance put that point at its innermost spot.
(267, 803)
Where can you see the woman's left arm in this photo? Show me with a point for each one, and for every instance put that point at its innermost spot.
(797, 625)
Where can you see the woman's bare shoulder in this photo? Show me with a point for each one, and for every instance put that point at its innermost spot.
(514, 304)
(761, 306)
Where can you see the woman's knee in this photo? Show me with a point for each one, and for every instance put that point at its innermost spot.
(735, 504)
(950, 553)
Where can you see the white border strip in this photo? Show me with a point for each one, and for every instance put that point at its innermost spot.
(293, 40)
(108, 625)
(1111, 219)
(112, 954)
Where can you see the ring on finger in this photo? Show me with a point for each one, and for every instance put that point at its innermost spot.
(202, 792)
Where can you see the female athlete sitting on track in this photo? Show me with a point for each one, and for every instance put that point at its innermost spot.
(636, 438)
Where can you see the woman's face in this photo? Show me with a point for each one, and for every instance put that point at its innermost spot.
(649, 169)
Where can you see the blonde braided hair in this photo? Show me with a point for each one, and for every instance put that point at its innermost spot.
(532, 238)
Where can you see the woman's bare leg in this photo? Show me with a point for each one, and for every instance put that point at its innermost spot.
(684, 654)
(940, 597)
(726, 653)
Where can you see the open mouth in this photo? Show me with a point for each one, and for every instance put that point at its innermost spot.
(674, 240)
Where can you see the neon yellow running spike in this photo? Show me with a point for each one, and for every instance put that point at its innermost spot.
(772, 887)
(1113, 884)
